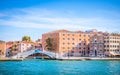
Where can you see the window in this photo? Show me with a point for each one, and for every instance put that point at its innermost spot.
(79, 43)
(63, 43)
(63, 47)
(63, 38)
(68, 43)
(73, 43)
(104, 45)
(84, 40)
(68, 38)
(68, 34)
(68, 47)
(15, 49)
(84, 35)
(118, 46)
(72, 34)
(110, 45)
(72, 51)
(73, 39)
(113, 46)
(63, 34)
(73, 48)
(100, 45)
(84, 43)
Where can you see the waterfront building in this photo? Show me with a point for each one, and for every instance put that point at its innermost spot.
(68, 43)
(12, 48)
(112, 45)
(8, 48)
(25, 46)
(89, 43)
(2, 48)
(96, 45)
(39, 41)
(38, 44)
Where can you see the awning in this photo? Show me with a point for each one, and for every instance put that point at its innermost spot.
(114, 53)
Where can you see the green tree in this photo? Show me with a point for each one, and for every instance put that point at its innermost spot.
(50, 44)
(26, 38)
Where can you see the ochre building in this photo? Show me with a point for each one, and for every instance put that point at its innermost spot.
(2, 48)
(68, 43)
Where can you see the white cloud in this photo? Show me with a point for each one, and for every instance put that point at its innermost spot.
(50, 19)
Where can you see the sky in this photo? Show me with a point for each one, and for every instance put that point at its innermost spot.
(36, 17)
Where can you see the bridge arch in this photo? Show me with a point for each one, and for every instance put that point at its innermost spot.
(27, 53)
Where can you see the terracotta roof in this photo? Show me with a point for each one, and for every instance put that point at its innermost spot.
(79, 31)
(67, 31)
(115, 34)
(11, 42)
(27, 42)
(58, 31)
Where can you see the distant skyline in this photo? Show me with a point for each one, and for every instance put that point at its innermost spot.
(35, 17)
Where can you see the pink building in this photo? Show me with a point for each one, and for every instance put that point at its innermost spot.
(96, 45)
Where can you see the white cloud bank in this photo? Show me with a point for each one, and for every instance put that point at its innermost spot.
(49, 19)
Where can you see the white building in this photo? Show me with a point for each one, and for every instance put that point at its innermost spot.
(25, 46)
(112, 45)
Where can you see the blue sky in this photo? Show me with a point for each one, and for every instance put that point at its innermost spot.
(35, 17)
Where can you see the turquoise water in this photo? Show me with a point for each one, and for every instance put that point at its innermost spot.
(55, 67)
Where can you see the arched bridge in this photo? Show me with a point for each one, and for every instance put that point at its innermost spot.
(30, 52)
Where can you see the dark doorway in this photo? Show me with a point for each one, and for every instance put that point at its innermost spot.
(95, 53)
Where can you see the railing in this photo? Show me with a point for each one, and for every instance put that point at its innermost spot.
(29, 52)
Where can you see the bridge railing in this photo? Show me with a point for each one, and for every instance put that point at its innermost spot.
(28, 52)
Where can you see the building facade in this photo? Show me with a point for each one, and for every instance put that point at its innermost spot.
(112, 45)
(96, 45)
(25, 46)
(69, 43)
(38, 44)
(2, 48)
(90, 43)
(12, 48)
